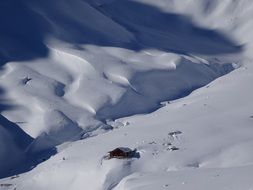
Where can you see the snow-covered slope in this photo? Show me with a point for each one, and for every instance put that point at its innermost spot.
(13, 144)
(80, 78)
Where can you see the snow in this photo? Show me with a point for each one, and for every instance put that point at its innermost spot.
(191, 179)
(172, 80)
(13, 143)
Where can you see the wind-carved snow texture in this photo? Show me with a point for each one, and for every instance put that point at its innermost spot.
(71, 90)
(69, 69)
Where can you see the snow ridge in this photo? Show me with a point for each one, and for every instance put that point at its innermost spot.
(131, 73)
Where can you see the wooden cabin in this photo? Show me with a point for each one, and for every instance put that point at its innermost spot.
(121, 153)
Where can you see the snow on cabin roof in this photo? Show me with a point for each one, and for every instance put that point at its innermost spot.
(124, 149)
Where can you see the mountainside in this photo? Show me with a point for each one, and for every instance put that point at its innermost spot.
(168, 78)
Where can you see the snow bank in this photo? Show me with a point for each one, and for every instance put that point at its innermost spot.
(75, 67)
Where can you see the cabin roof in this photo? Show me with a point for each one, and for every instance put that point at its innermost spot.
(123, 149)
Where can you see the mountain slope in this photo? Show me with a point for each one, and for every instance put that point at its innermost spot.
(76, 74)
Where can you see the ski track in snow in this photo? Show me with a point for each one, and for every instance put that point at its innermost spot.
(171, 89)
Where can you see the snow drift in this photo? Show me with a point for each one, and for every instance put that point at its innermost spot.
(71, 69)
